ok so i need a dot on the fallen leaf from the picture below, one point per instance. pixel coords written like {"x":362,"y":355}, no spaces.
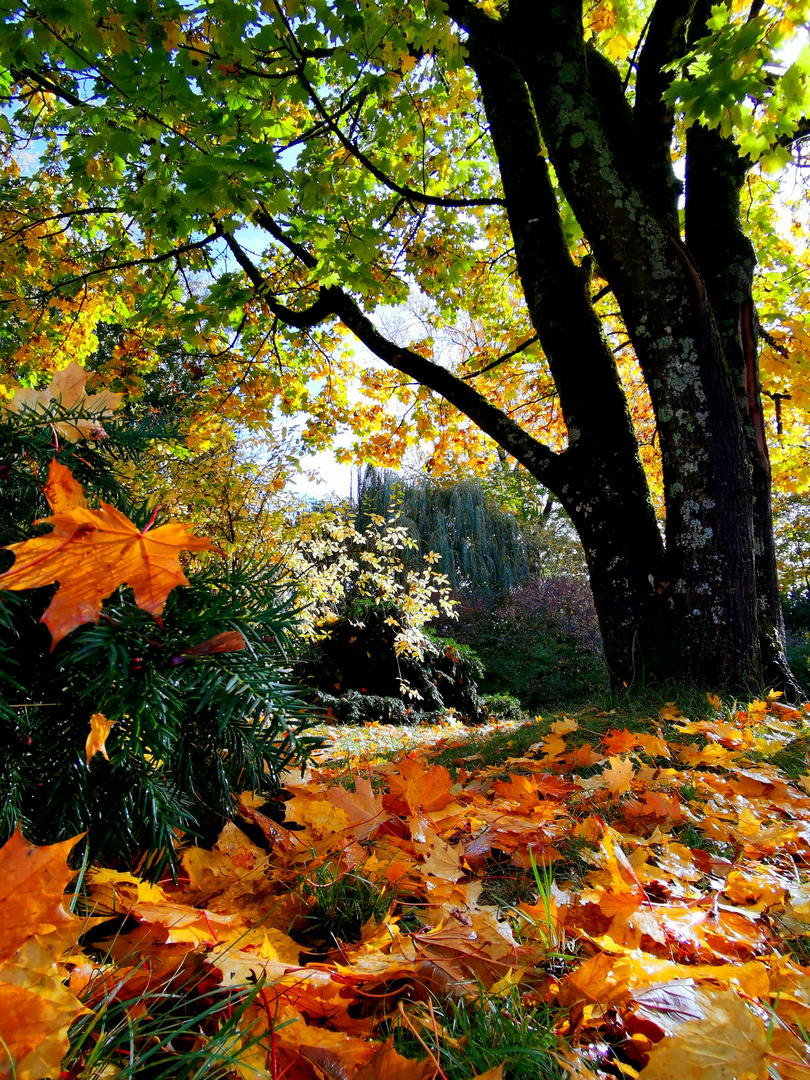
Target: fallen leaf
{"x":727,"y":1043}
{"x":618,"y":777}
{"x":36,"y":1009}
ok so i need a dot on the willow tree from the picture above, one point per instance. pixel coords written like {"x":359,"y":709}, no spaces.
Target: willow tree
{"x":482,"y":548}
{"x":517,"y":163}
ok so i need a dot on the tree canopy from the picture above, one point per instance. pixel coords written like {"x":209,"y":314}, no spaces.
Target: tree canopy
{"x":591,"y":205}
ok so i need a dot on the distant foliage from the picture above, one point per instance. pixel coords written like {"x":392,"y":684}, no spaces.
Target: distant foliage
{"x":539,"y":643}
{"x":482,"y":546}
{"x":796,"y":605}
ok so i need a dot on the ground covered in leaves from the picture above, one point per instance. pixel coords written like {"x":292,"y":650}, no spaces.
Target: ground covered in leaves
{"x":591,"y":895}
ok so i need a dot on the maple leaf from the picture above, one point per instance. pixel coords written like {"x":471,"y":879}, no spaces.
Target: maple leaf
{"x":728,"y":1043}
{"x":67,"y":388}
{"x":62,"y":490}
{"x":36,"y":1009}
{"x":90,"y":553}
{"x":618,"y":742}
{"x":418,"y":788}
{"x":564,"y":726}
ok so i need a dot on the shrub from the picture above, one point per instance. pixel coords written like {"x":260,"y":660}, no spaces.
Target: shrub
{"x":539,"y":643}
{"x":796,"y":606}
{"x":360,"y":676}
{"x":196,"y":718}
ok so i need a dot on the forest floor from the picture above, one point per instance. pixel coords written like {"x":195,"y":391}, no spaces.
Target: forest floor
{"x":606,"y":893}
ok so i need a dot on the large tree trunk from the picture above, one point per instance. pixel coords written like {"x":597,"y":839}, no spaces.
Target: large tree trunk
{"x":707,"y":608}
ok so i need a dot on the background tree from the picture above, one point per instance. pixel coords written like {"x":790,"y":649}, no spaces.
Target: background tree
{"x":317,"y":159}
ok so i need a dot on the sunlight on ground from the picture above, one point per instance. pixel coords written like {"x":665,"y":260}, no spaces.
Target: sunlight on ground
{"x":373,"y":741}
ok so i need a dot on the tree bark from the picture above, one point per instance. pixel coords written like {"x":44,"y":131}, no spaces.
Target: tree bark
{"x":712,"y":595}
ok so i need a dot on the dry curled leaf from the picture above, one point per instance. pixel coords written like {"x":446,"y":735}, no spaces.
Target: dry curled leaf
{"x":67,"y":388}
{"x":100,"y":728}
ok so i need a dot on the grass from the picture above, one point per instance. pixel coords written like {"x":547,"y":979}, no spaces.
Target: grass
{"x":341,"y":903}
{"x":184,"y":1030}
{"x":467,"y":1038}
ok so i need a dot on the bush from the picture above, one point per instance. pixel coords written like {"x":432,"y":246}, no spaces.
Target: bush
{"x":196,"y":718}
{"x":538,"y":643}
{"x":503,"y":707}
{"x":360,"y":675}
{"x":796,"y":606}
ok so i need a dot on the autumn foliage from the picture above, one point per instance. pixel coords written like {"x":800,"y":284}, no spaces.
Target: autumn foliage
{"x":91,"y":553}
{"x":657,"y":920}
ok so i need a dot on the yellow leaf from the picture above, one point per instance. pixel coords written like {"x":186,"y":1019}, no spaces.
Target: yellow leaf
{"x":729,"y":1043}
{"x":119,"y":891}
{"x":564,"y":726}
{"x":618,"y":777}
{"x":67,"y":388}
{"x":100,"y":728}
{"x":618,"y":47}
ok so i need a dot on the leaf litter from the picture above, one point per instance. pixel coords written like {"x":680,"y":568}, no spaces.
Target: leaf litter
{"x":645,"y":897}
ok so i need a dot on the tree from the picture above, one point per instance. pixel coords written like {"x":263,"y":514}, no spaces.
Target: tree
{"x":319,"y":159}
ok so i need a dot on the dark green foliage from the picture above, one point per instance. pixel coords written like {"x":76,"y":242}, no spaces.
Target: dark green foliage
{"x":503,"y":707}
{"x":538,"y":643}
{"x":358,"y":708}
{"x":189,"y":733}
{"x":796,"y":606}
{"x":358,"y":660}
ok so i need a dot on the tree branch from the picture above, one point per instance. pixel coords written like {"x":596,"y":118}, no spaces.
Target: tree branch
{"x":151,"y":260}
{"x":652,"y":119}
{"x":411,"y":194}
{"x":537,"y":457}
{"x":502,"y":359}
{"x":530,"y":452}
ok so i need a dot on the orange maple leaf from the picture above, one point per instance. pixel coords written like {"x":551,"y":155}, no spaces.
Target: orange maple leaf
{"x":91,"y":553}
{"x":418,"y":788}
{"x":618,"y":742}
{"x":35,"y":928}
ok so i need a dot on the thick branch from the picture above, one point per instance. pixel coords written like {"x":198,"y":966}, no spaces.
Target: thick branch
{"x":541,"y":462}
{"x":304,"y":320}
{"x":537,"y":458}
{"x":653,"y":119}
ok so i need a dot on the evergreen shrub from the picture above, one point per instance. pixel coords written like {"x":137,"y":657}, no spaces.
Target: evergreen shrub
{"x":796,"y":607}
{"x":190,"y":729}
{"x":538,"y":643}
